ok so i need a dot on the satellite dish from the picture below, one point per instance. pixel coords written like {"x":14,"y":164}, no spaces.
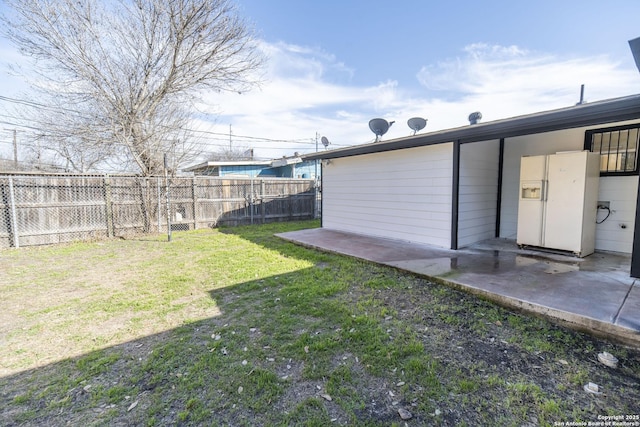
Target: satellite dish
{"x":416,"y":124}
{"x":474,"y":117}
{"x":379,"y":127}
{"x":325,"y":141}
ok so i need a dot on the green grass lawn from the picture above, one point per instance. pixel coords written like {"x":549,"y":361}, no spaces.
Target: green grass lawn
{"x":234,"y":326}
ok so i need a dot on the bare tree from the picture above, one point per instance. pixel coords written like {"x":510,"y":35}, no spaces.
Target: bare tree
{"x":119,"y":78}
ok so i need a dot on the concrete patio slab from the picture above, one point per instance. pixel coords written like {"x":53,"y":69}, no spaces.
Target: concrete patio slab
{"x":593,"y":294}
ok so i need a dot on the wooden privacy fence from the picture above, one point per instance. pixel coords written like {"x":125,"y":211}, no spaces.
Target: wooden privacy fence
{"x":46,"y":209}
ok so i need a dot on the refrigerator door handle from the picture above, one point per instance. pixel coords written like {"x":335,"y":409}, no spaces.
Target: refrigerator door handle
{"x":545,"y":190}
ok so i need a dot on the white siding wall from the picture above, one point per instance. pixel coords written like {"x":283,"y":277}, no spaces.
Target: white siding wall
{"x":402,"y":194}
{"x":478,"y":191}
{"x":619,"y":191}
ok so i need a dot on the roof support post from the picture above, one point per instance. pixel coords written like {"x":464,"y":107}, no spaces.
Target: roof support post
{"x":635,"y":252}
{"x":499,"y":198}
{"x":455,"y":194}
{"x":322,"y":198}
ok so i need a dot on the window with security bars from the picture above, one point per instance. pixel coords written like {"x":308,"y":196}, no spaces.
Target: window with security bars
{"x":618,"y":148}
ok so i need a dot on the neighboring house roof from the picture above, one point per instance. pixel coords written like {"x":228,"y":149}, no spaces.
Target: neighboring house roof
{"x":228,"y":163}
{"x":588,"y":114}
{"x":284,"y":161}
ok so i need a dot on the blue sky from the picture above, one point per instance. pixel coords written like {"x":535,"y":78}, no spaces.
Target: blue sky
{"x":334,"y":65}
{"x":392,"y":40}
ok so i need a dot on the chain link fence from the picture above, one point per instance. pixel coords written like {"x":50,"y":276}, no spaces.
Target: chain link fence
{"x":48,"y":209}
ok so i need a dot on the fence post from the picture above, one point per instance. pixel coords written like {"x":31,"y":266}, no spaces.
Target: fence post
{"x":251,"y":200}
{"x":159,"y":195}
{"x":195,"y":203}
{"x":166,"y":189}
{"x":289,"y":197}
{"x":14,"y":217}
{"x":262,"y":207}
{"x":108,"y":206}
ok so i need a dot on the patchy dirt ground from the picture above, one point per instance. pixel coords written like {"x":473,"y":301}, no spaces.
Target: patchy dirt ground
{"x":534,"y":358}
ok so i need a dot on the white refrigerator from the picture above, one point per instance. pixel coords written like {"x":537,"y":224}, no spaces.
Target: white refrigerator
{"x":558,"y":200}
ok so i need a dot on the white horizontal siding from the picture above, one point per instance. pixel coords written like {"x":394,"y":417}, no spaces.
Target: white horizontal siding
{"x":478,"y":193}
{"x":620,"y":192}
{"x":403,"y":194}
{"x":406,"y":194}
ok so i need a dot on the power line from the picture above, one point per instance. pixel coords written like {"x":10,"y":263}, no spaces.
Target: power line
{"x":35,"y":104}
{"x":180,"y":152}
{"x":210,"y":142}
{"x":299,"y":140}
{"x":221,"y":136}
{"x":57,"y":109}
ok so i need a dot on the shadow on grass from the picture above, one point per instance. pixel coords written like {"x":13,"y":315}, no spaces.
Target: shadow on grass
{"x":280,"y":346}
{"x":252,"y":365}
{"x":190,"y":374}
{"x":337,"y":341}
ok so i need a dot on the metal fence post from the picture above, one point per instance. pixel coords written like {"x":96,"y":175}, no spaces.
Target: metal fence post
{"x":166,"y":189}
{"x":194,"y":193}
{"x":159,"y":196}
{"x":14,"y":217}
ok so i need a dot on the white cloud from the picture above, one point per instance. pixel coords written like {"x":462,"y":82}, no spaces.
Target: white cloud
{"x":508,"y":81}
{"x":286,"y":59}
{"x":307,"y":90}
{"x":301,"y":95}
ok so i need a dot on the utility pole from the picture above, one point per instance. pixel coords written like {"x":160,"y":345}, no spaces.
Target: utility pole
{"x":316,"y":161}
{"x":230,"y":139}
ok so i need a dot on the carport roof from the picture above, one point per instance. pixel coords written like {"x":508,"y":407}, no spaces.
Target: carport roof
{"x":588,"y":114}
